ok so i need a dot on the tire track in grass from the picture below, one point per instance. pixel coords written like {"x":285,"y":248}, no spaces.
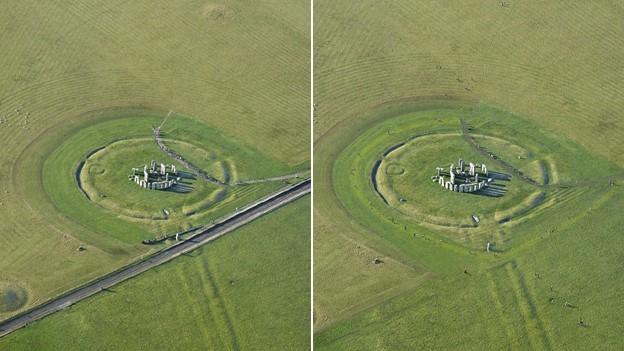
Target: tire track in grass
{"x":555,"y":199}
{"x":219,"y":309}
{"x":500,"y":309}
{"x":206,"y":318}
{"x":537,"y":333}
{"x":510,"y":303}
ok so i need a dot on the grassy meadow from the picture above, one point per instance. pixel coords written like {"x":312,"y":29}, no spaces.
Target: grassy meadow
{"x":82,"y":74}
{"x":537,"y":85}
{"x":249,"y":290}
{"x":124,"y":143}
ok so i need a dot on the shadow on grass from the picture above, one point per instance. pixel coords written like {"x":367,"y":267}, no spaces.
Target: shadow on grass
{"x":492,"y":191}
{"x":495,"y":189}
{"x":499,"y":176}
{"x":184,"y":185}
{"x":186,"y":175}
{"x":181,"y":188}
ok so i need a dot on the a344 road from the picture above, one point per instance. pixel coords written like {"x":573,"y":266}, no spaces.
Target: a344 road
{"x":205,"y":235}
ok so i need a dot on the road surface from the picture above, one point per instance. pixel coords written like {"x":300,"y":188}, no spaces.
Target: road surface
{"x":204,"y":236}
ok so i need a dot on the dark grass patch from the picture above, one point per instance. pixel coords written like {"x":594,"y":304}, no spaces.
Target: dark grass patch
{"x":12,"y":297}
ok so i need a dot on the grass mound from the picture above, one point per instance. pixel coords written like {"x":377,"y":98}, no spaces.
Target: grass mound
{"x":394,"y":170}
{"x":104,"y":177}
{"x":104,"y":154}
{"x":386,"y":171}
{"x":413,"y":193}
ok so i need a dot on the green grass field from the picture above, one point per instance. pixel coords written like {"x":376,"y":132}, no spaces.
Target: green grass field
{"x":249,"y":290}
{"x":534,"y":84}
{"x":124,"y":143}
{"x":79,"y":75}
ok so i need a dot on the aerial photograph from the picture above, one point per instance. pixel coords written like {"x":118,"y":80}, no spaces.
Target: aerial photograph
{"x":468,"y":168}
{"x":155,"y":175}
{"x":299,"y":175}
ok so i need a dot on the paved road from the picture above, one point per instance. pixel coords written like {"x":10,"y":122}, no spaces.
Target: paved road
{"x":210,"y":233}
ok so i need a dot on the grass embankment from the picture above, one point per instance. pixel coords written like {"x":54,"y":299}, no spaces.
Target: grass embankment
{"x":119,"y":208}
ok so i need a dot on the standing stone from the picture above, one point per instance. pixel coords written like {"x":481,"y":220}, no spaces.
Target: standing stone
{"x":471,"y":171}
{"x":461,"y":165}
{"x":441,"y":180}
{"x":477,"y":177}
{"x":452,"y":177}
{"x":163,"y":170}
{"x":173,"y":169}
{"x":484,"y":169}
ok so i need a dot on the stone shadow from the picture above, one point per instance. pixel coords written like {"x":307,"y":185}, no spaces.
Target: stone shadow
{"x":499,"y":176}
{"x":184,"y":185}
{"x":180,"y":188}
{"x":186,"y":175}
{"x":493,"y":190}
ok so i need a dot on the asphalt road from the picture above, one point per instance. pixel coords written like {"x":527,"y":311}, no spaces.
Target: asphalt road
{"x":204,"y":236}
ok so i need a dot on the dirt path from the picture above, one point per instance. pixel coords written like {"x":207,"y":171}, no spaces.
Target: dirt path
{"x":483,"y":151}
{"x":198,"y":171}
{"x":203,"y":174}
{"x":271,"y":179}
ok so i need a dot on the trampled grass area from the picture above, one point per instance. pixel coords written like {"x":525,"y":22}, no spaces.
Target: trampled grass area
{"x":543,"y":68}
{"x":247,"y":290}
{"x":239,"y":71}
